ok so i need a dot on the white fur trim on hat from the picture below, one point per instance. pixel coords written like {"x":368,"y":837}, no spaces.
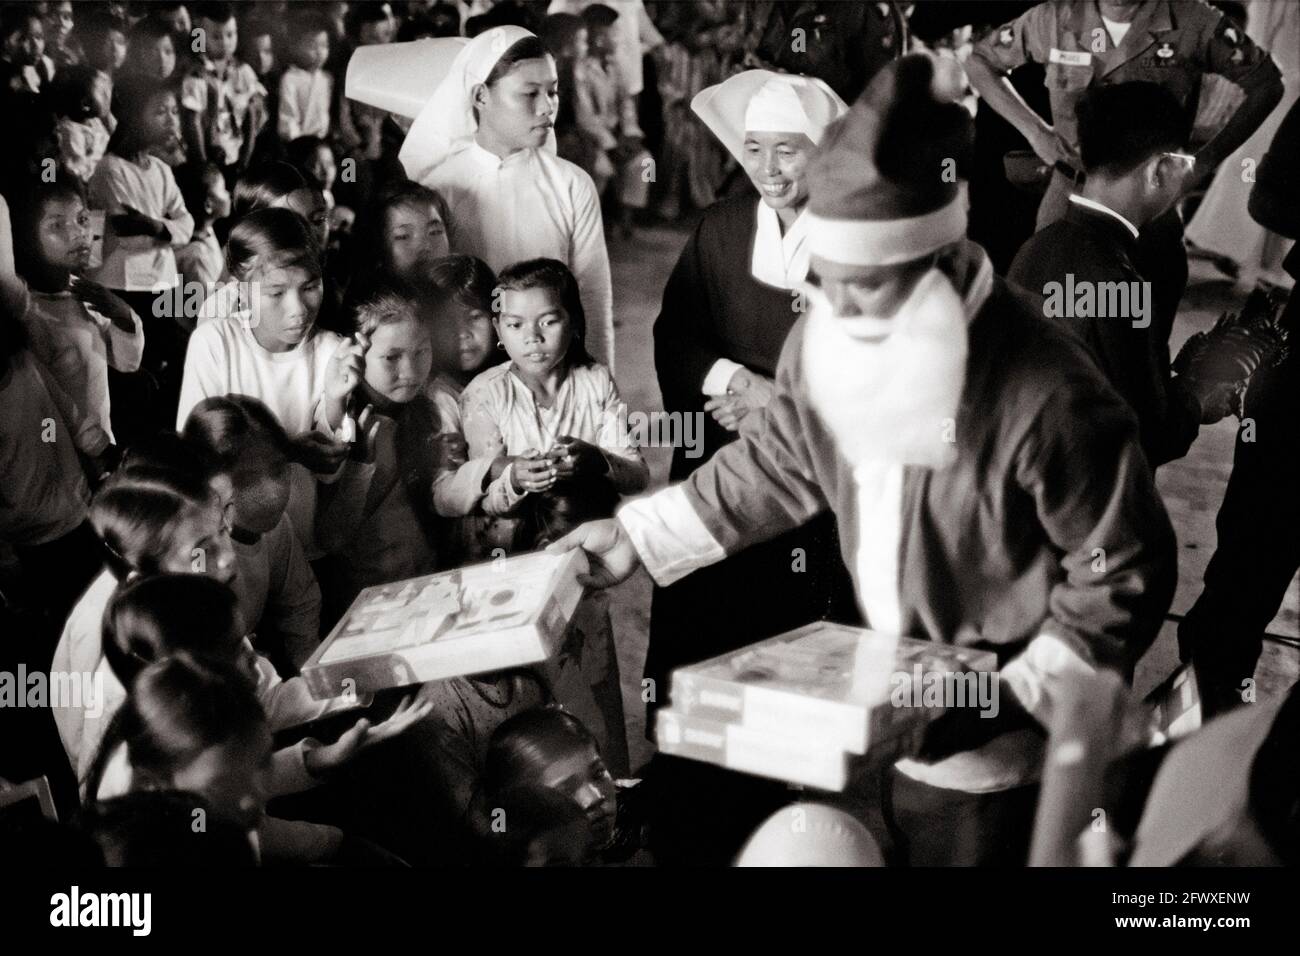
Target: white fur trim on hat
{"x":885,"y":242}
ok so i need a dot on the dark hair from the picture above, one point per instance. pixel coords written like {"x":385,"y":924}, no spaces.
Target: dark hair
{"x":1122,"y":125}
{"x":359,"y":13}
{"x":439,"y":20}
{"x":300,"y":153}
{"x":523,"y":746}
{"x":156,"y":829}
{"x":132,"y":96}
{"x":155,"y":617}
{"x":150,"y":30}
{"x":27,"y":212}
{"x":405,"y":192}
{"x":599,"y":16}
{"x":277,"y":237}
{"x":92,"y":24}
{"x":503,"y":13}
{"x":263,"y":187}
{"x":380,"y":298}
{"x":525,"y":48}
{"x":178,"y":708}
{"x":135,"y":511}
{"x":558,"y":31}
{"x":15,"y":17}
{"x":223,"y":428}
{"x":192,"y":179}
{"x":554,"y":275}
{"x":71,"y":92}
{"x":532,"y":814}
{"x":305,"y":24}
{"x":465,"y":280}
{"x":217,"y":11}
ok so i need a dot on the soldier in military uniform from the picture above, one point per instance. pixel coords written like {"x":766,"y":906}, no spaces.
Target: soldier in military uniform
{"x":1086,"y":43}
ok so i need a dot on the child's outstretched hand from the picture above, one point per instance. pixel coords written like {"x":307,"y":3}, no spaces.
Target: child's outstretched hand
{"x":449,"y":451}
{"x":531,"y":472}
{"x":319,"y":454}
{"x":575,"y":458}
{"x":364,"y":734}
{"x":347,"y":367}
{"x":101,"y":300}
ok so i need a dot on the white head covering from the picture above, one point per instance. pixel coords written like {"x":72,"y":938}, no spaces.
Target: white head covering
{"x":446,"y":121}
{"x":763,"y":101}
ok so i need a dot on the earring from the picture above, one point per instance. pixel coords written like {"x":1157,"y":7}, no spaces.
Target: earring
{"x":501,"y":347}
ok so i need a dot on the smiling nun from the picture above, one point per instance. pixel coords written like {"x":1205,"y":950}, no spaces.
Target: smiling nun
{"x":727,"y":308}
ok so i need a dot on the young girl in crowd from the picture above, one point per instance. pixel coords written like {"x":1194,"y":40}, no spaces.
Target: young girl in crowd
{"x":201,"y":261}
{"x":466,"y":344}
{"x":81,"y":99}
{"x":154,"y":515}
{"x":163,"y":512}
{"x":556,"y":417}
{"x":314,"y":158}
{"x":412,"y":226}
{"x":391,"y":532}
{"x":77,"y":328}
{"x":146,"y":222}
{"x":195,"y":725}
{"x":238,"y":437}
{"x":274,"y":185}
{"x":272,"y":350}
{"x":167,"y":615}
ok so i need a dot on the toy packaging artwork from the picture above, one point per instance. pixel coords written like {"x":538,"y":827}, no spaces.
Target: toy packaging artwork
{"x":800,"y":705}
{"x":504,"y":613}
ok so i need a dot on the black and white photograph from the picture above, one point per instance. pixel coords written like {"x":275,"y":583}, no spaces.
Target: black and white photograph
{"x":443,"y":440}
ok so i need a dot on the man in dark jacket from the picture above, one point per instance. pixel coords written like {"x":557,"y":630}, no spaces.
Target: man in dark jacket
{"x":1259,"y":522}
{"x":1131,"y":138}
{"x":987,"y":480}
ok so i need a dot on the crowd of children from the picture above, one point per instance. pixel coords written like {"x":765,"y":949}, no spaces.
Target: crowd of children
{"x":238,"y":388}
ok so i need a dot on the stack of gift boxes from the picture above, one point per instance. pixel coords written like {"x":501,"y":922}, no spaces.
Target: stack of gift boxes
{"x":804,"y":705}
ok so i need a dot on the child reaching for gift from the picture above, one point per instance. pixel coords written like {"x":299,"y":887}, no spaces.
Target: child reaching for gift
{"x":553,"y":418}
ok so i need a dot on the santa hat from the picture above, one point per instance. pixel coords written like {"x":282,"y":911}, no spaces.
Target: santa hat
{"x":885,"y":184}
{"x":760,"y":101}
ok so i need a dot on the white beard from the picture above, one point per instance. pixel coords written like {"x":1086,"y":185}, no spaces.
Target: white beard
{"x":892,"y":401}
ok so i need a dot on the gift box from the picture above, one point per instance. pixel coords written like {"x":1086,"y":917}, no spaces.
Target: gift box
{"x":505,"y":613}
{"x":737,"y":747}
{"x":832,"y":686}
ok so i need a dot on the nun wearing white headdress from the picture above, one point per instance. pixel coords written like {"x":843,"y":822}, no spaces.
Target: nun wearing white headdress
{"x":727,"y":308}
{"x":484,"y":141}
